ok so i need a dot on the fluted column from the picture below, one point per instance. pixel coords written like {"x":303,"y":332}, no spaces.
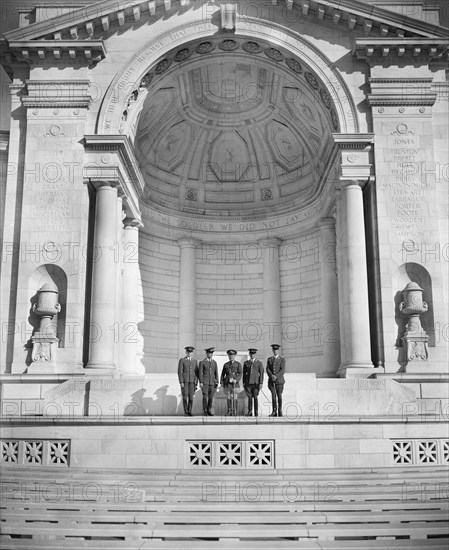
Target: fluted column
{"x":102,"y":318}
{"x":330,"y":332}
{"x":187,"y":293}
{"x":130,"y":278}
{"x":272,"y":329}
{"x":355,"y":330}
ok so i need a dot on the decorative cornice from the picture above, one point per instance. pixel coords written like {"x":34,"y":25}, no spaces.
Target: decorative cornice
{"x":84,"y":51}
{"x":376,"y":50}
{"x":111,"y":158}
{"x":401,"y":92}
{"x":106,"y":13}
{"x":354,"y":141}
{"x":57,"y":93}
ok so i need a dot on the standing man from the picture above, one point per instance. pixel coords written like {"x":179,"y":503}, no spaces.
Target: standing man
{"x":252,"y":381}
{"x":275,"y":372}
{"x":230,"y":378}
{"x":208,"y":376}
{"x":188,"y":379}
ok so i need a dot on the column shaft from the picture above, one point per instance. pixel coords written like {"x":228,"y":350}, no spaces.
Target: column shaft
{"x":101,"y":349}
{"x":130,"y":279}
{"x":330,"y":334}
{"x":355,"y":306}
{"x":272,"y":329}
{"x":187,"y":293}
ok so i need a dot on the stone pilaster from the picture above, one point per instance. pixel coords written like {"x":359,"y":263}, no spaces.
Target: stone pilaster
{"x":51,"y":214}
{"x":329,"y":298}
{"x":187,"y":293}
{"x":407,"y":191}
{"x":272,"y":328}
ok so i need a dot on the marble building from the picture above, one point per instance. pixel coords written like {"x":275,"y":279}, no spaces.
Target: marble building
{"x":227,"y":174}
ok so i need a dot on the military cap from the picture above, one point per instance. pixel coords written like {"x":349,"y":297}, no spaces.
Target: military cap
{"x":209,"y":350}
{"x":252,"y":350}
{"x":275,"y":346}
{"x":189,"y":348}
{"x":231,"y":352}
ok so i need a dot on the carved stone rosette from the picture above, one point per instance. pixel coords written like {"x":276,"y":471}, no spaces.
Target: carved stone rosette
{"x":415,"y":338}
{"x":45,"y":340}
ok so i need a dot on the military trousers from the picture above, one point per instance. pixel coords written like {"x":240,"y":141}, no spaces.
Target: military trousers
{"x":208,"y":398}
{"x":276,"y":396}
{"x":252,"y":391}
{"x":188,"y":391}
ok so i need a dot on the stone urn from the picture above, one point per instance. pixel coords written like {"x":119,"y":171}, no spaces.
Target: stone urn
{"x":45,"y":340}
{"x":415,"y":339}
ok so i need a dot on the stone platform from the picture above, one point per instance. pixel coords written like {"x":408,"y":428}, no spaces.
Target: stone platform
{"x":159,"y":395}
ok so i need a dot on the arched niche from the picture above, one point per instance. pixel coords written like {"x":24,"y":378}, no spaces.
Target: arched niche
{"x":416,"y":273}
{"x":45,"y":274}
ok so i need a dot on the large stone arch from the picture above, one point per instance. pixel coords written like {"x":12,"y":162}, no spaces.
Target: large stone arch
{"x":132,"y":72}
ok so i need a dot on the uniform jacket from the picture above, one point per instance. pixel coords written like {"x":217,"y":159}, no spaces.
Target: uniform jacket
{"x":252,"y":372}
{"x":231,"y":369}
{"x":276,"y":367}
{"x":208,"y":372}
{"x":188,"y":370}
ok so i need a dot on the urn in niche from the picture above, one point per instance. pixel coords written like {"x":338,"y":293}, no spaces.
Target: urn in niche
{"x":45,"y":340}
{"x":415,"y":338}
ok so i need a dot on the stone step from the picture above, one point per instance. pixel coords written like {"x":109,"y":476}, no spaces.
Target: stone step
{"x":223,"y":507}
{"x":378,"y":544}
{"x":414,"y":530}
{"x":220,"y":518}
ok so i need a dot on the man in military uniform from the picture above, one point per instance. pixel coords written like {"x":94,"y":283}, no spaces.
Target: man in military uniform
{"x":188,"y":379}
{"x":208,"y":376}
{"x":275,"y":373}
{"x":230,"y":378}
{"x":252,"y":381}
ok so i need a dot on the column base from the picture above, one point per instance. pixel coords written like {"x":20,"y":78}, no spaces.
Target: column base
{"x":358,"y":370}
{"x":101,"y":369}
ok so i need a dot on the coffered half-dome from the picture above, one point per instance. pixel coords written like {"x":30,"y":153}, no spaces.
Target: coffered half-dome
{"x":230,"y":125}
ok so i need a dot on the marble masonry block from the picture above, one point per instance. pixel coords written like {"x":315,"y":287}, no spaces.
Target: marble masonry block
{"x":357,"y":431}
{"x":320,"y":461}
{"x":374,"y":446}
{"x":333,"y":446}
{"x":362,"y":460}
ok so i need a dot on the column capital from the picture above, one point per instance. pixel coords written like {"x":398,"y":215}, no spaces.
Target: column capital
{"x":101,"y":183}
{"x":131,"y":223}
{"x":326,"y":223}
{"x":186,"y":242}
{"x":356,"y":155}
{"x":270,"y":241}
